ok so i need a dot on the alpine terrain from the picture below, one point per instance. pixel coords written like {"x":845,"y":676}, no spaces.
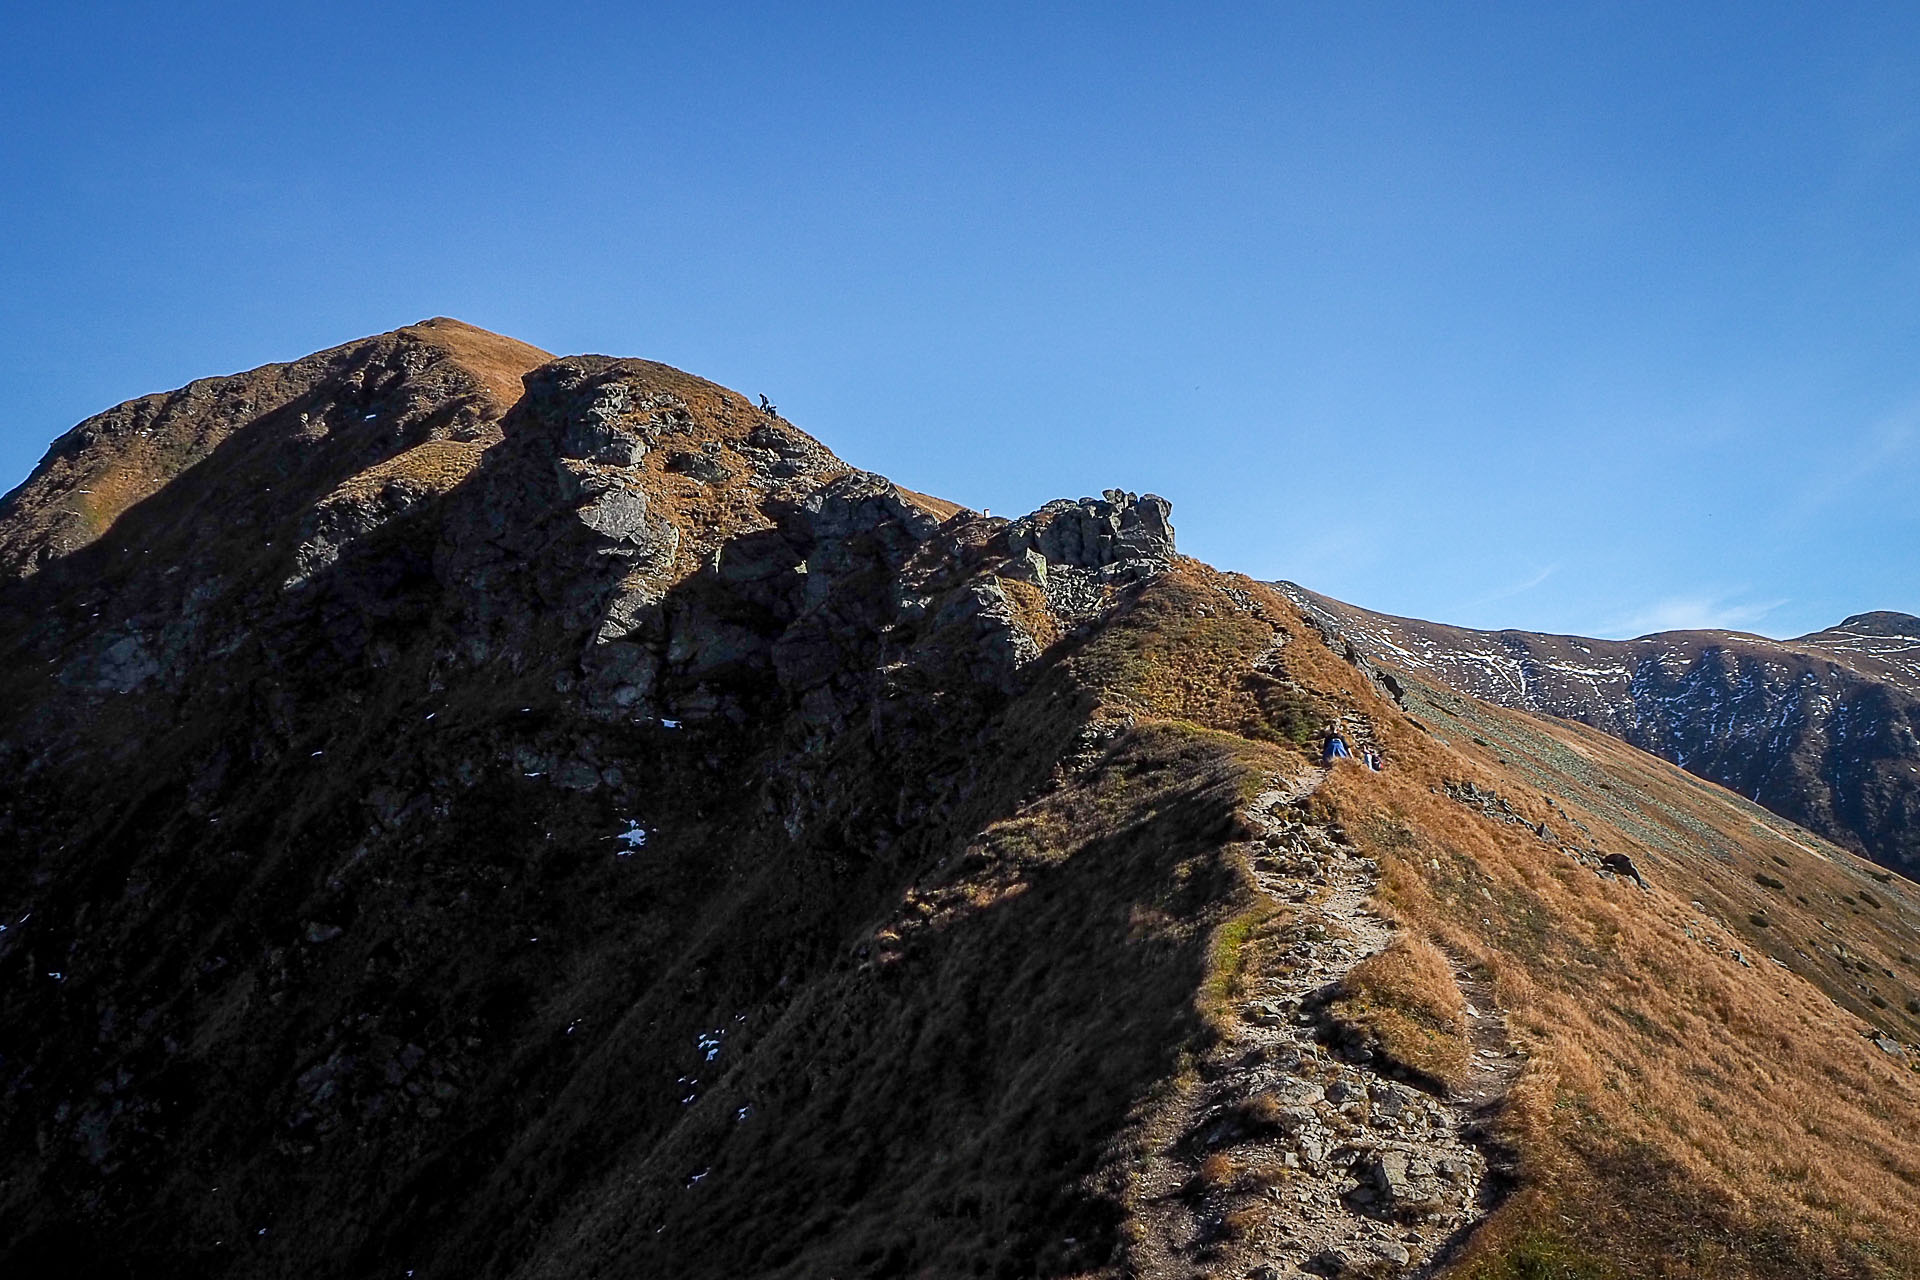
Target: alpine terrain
{"x":477,"y":814}
{"x":1821,"y":730}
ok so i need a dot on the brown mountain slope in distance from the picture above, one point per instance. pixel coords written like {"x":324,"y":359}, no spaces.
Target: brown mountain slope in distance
{"x":1823,"y":730}
{"x":661,"y":849}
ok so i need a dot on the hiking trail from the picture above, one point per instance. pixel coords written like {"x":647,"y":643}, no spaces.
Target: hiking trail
{"x":1281,"y":1154}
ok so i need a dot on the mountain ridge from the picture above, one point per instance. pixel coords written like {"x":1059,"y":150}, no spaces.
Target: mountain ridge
{"x":1820,"y":729}
{"x":1879,"y":622}
{"x":630,"y":839}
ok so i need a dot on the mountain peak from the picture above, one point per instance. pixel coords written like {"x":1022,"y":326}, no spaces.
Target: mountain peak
{"x":321,"y":417}
{"x":1882,"y":622}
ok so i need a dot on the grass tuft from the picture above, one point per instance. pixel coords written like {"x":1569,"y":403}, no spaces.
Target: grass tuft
{"x":1405,"y":1000}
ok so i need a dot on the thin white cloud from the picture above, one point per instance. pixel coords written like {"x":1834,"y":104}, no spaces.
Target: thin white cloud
{"x":1877,"y":456}
{"x":1515,"y":589}
{"x":1691,"y":613}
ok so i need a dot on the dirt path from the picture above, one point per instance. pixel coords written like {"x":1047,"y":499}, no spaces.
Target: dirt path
{"x":1280,"y":1156}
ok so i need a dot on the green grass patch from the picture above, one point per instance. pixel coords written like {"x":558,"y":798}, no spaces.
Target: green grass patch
{"x":1228,"y":961}
{"x":1539,"y":1254}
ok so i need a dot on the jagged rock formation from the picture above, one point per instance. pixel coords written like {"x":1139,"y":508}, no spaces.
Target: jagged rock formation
{"x":1121,"y":531}
{"x":1823,"y":730}
{"x":477,"y":814}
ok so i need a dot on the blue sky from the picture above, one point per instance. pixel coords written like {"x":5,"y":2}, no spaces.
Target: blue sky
{"x":1566,"y":317}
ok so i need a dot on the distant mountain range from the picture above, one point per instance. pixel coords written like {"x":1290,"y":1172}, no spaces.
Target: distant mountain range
{"x":1821,"y":729}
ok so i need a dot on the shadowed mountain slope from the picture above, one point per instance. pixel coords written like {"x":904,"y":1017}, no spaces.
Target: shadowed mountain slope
{"x":426,"y":399}
{"x":1821,"y":730}
{"x":650,"y":846}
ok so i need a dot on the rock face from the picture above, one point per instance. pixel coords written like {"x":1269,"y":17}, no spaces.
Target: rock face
{"x":1823,"y":730}
{"x":1120,"y":531}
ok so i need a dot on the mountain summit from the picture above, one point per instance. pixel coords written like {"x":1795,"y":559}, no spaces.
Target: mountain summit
{"x":439,"y":383}
{"x":1884,"y":623}
{"x":479,"y":814}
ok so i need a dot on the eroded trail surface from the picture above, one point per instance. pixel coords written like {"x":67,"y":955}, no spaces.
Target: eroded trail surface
{"x":1284,"y":1156}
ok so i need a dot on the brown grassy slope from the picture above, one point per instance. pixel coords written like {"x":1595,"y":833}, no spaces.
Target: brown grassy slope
{"x":959,"y":1100}
{"x":950,"y":1097}
{"x":95,"y":473}
{"x":1764,"y":886}
{"x":495,"y":360}
{"x":1407,"y":1001}
{"x":1683,"y":1113}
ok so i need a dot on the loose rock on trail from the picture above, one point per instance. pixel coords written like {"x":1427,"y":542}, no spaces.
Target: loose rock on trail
{"x":1284,"y":1155}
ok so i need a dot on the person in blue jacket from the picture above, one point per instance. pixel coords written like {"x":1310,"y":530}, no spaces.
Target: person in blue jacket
{"x":1336,"y":748}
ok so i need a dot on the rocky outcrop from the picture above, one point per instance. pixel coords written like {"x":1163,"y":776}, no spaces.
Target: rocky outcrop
{"x":1823,"y":730}
{"x":1078,"y":552}
{"x":1120,"y":534}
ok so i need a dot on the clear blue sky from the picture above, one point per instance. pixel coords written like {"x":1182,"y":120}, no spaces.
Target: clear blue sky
{"x":1559,"y":316}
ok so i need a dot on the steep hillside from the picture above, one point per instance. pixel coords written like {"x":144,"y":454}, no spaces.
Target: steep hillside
{"x":1821,"y":730}
{"x":426,"y":399}
{"x":657,"y":848}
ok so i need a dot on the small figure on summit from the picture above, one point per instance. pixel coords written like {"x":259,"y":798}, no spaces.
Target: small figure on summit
{"x":767,"y":407}
{"x":1336,"y":748}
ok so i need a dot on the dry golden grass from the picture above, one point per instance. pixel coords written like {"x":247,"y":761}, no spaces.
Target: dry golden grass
{"x":1406,"y":1000}
{"x":1779,"y":1139}
{"x":1266,"y":1177}
{"x":433,"y":467}
{"x":1261,"y":1111}
{"x":1030,"y":611}
{"x":939,"y":508}
{"x":1681,"y":1113}
{"x":499,"y":362}
{"x":1237,"y":1223}
{"x":1235,"y":957}
{"x":144,"y":445}
{"x":1184,"y":651}
{"x":1217,"y":1172}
